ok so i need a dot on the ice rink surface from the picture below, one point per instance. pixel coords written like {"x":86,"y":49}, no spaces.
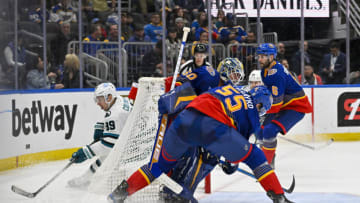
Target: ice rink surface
{"x":331,"y":174}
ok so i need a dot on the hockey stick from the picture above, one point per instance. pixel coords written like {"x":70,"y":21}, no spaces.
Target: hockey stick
{"x":164,"y":179}
{"x":289,"y":190}
{"x":32,"y":195}
{"x":22,"y":192}
{"x":308,"y":146}
{"x":186,"y":32}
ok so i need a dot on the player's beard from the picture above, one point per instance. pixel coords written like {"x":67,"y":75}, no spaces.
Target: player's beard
{"x":265,"y":64}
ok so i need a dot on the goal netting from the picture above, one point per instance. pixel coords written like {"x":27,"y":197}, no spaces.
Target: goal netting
{"x":134,"y":146}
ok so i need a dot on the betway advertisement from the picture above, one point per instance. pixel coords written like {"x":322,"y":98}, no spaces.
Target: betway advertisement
{"x":33,"y":123}
{"x":273,"y":8}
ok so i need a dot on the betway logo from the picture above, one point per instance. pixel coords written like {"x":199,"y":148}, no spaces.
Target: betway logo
{"x":26,"y":119}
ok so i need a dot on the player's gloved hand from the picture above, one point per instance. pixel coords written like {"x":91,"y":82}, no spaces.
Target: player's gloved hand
{"x":228,"y":167}
{"x":98,"y":132}
{"x":82,"y":154}
{"x":208,"y":158}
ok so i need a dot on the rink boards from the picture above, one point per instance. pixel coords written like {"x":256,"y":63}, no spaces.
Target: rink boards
{"x":43,"y":125}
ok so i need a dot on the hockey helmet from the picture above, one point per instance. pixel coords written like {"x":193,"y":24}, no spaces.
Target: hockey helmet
{"x":255,"y":76}
{"x":104,"y":90}
{"x":231,"y":70}
{"x":261,"y":95}
{"x":267,"y":49}
{"x":200,"y":48}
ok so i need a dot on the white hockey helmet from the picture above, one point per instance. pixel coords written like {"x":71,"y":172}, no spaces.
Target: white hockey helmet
{"x":255,"y":76}
{"x":104,"y":90}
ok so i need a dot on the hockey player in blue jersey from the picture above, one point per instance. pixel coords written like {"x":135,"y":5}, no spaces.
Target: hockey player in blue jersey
{"x":220,"y":121}
{"x":290,"y":102}
{"x":197,"y":162}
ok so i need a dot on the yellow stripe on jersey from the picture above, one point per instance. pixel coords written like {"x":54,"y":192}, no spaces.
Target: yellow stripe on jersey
{"x":197,"y":171}
{"x":186,"y":98}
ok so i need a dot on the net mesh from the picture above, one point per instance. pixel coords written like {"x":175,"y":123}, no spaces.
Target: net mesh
{"x":134,"y":146}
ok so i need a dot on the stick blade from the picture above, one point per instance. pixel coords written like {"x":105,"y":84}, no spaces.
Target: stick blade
{"x":291,"y":188}
{"x":22,"y":192}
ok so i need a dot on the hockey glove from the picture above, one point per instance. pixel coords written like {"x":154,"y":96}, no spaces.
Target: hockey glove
{"x":98,"y":132}
{"x":228,"y":167}
{"x":82,"y":154}
{"x":208,"y":158}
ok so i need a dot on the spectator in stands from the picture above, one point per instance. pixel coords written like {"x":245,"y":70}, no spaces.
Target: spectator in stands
{"x":280,"y":51}
{"x":36,"y":79}
{"x":63,"y":13}
{"x":232,"y":33}
{"x":178,"y":12}
{"x":204,"y":27}
{"x":145,"y":6}
{"x":333,"y":65}
{"x":59,"y":44}
{"x":193,"y":7}
{"x":152,"y":62}
{"x":172,"y":45}
{"x":355,"y":77}
{"x":136,"y":52}
{"x":71,"y":71}
{"x":154,"y":29}
{"x":310,"y":77}
{"x":97,"y":21}
{"x":95,"y":34}
{"x":199,"y":20}
{"x":36,"y":15}
{"x":9,"y":54}
{"x":102,"y":9}
{"x":204,"y":39}
{"x":296,"y":59}
{"x":248,"y":52}
{"x":179,"y":24}
{"x":285,"y":63}
{"x":220,"y":19}
{"x":126,"y":30}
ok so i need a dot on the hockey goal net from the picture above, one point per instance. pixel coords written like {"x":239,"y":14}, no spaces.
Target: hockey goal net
{"x":134,"y":146}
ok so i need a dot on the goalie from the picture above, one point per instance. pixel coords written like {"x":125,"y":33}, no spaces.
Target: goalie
{"x":117,"y":110}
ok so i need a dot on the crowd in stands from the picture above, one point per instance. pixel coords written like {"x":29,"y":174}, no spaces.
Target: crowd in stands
{"x":100,"y":25}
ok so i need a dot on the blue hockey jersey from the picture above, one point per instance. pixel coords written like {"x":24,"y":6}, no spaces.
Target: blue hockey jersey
{"x":231,"y":106}
{"x":286,"y":91}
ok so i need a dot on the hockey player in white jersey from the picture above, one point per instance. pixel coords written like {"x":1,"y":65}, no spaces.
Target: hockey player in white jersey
{"x":117,"y":110}
{"x":254,"y":80}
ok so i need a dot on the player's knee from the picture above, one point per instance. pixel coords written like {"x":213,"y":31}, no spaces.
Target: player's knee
{"x":256,"y":158}
{"x":270,"y":131}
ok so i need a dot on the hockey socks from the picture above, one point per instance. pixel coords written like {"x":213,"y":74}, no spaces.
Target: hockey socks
{"x":263,"y":171}
{"x":269,"y":153}
{"x":140,"y":179}
{"x":269,"y":141}
{"x":268,"y":179}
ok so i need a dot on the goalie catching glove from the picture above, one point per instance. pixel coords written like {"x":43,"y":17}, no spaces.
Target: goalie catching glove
{"x":82,"y":154}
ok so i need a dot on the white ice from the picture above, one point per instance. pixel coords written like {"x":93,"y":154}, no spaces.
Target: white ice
{"x":331,"y":174}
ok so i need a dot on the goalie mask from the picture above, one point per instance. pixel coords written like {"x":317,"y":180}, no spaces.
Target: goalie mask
{"x":261,"y":95}
{"x":231,"y":71}
{"x":104,"y":90}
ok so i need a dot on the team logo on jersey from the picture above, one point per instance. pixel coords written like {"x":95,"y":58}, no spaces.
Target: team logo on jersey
{"x":210,"y":70}
{"x":272,"y":72}
{"x":108,"y":114}
{"x":349,"y":109}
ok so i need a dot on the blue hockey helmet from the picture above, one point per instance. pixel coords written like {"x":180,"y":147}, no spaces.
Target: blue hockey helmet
{"x":261,"y":95}
{"x":231,"y":70}
{"x":267,"y":49}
